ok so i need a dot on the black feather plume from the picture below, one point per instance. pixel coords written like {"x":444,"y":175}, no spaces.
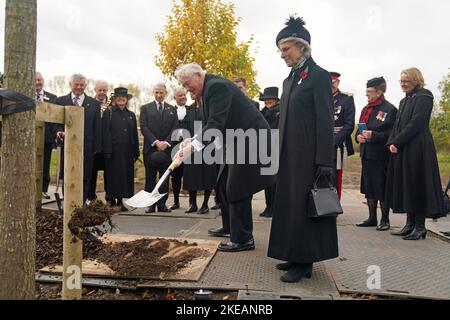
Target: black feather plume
{"x":296,"y":22}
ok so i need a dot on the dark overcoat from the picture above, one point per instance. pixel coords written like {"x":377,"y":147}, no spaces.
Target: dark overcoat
{"x":121,"y":150}
{"x":157,"y":126}
{"x":306,"y":141}
{"x":197,"y":176}
{"x":413,"y":180}
{"x":50,"y":133}
{"x":92,"y":131}
{"x":226,"y":107}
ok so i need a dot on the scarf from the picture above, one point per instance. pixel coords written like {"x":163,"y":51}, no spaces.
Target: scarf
{"x":367,"y":111}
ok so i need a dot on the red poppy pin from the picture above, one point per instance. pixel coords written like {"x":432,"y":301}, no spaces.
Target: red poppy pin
{"x":303,"y":75}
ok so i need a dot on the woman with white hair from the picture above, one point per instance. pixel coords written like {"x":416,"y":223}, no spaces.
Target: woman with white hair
{"x":413,"y":180}
{"x":306,"y":155}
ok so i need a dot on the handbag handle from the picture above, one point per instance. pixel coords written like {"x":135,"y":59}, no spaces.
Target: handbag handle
{"x":330,"y":183}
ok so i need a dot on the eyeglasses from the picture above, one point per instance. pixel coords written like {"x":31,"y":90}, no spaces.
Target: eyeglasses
{"x":284,"y":50}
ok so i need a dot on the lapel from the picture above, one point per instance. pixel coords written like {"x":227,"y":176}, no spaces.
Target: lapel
{"x":203,"y":101}
{"x":287,"y":89}
{"x":87,"y":102}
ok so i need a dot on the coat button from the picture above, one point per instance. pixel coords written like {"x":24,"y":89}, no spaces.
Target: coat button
{"x":124,"y":130}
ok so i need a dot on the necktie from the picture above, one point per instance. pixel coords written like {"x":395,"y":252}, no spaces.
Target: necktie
{"x":160,"y":108}
{"x":76,"y":101}
{"x":38,"y":97}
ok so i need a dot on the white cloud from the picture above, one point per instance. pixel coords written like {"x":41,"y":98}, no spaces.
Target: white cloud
{"x":115,"y":40}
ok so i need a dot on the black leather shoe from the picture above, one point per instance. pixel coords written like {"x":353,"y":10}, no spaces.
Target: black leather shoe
{"x":192,"y":209}
{"x":45,"y":196}
{"x":416,"y":235}
{"x":237,"y":247}
{"x":367,"y":223}
{"x":203,"y":210}
{"x":164,"y":209}
{"x":218,"y":232}
{"x":297,"y":272}
{"x":150,"y":210}
{"x":384,"y":226}
{"x":404,"y":232}
{"x":123,"y":208}
{"x":284,"y":266}
{"x":175,"y":206}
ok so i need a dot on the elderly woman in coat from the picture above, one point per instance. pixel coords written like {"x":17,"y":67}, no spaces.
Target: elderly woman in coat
{"x":306,"y":152}
{"x":413,"y":180}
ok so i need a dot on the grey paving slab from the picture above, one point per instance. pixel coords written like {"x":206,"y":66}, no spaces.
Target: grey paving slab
{"x":408,"y":268}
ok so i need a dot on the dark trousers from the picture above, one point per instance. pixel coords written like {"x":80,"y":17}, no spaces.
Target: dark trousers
{"x":270,"y":196}
{"x":48,"y":149}
{"x":177,"y":175}
{"x":150,"y":181}
{"x":99,"y":165}
{"x":86,"y":182}
{"x":236,"y":216}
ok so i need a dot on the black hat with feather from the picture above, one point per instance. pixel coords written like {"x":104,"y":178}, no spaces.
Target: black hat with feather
{"x":295,"y":27}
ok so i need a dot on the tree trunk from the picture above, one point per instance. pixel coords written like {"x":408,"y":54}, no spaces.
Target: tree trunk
{"x":17,"y":180}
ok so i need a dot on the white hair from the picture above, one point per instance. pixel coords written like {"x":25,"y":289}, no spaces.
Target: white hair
{"x":180,"y":89}
{"x":76,"y":77}
{"x":160,"y":85}
{"x":188,"y":70}
{"x":301,"y":44}
{"x":101,"y":82}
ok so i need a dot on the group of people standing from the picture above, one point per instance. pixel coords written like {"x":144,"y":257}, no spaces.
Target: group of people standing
{"x":315,"y":120}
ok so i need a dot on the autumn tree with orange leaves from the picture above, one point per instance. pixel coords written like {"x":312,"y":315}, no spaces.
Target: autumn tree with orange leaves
{"x":204,"y":31}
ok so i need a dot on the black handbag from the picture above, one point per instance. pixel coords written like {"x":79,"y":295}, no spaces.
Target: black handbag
{"x":324,"y":202}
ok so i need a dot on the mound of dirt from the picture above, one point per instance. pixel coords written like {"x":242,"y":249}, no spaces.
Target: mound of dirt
{"x":148,"y":257}
{"x":93,"y":219}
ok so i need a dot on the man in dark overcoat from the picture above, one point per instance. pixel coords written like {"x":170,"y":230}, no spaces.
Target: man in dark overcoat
{"x":225,"y":107}
{"x":158,"y":120}
{"x":92,"y":126}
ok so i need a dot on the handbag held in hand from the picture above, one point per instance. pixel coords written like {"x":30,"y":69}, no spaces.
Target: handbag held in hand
{"x":324,"y":202}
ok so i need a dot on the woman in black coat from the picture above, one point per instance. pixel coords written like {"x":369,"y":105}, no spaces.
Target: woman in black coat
{"x":121,"y":148}
{"x":414,"y":184}
{"x":197,"y":176}
{"x":379,"y":118}
{"x":306,"y":152}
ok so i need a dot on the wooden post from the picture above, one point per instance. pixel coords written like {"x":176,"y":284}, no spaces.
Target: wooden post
{"x":73,"y":196}
{"x":40,"y":141}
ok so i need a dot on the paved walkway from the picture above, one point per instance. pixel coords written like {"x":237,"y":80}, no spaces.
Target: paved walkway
{"x":370,"y":262}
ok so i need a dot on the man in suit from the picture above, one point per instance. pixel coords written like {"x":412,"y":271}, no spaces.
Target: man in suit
{"x":344,"y":124}
{"x":241,"y":83}
{"x":92,"y":125}
{"x":158,"y":120}
{"x":49,"y":140}
{"x":101,"y":95}
{"x":177,"y":174}
{"x":225,"y":107}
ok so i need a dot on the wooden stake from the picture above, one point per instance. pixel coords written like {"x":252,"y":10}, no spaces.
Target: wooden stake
{"x":73,"y":196}
{"x":40,"y":141}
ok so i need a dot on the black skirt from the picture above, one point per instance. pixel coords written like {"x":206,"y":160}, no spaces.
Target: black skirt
{"x":373,"y":179}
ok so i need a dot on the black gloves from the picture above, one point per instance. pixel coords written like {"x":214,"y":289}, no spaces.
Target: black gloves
{"x":323,"y":171}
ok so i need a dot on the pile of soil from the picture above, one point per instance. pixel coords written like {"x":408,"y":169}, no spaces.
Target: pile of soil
{"x":93,"y":219}
{"x":49,"y":240}
{"x":148,"y":258}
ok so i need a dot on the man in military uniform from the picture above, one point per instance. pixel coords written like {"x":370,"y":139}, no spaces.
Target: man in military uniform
{"x":344,"y":124}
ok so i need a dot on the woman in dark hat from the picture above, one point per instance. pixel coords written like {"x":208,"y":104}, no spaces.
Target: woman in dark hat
{"x":306,"y":154}
{"x":121,"y":147}
{"x":271,"y":113}
{"x":413,"y":181}
{"x":378,"y":118}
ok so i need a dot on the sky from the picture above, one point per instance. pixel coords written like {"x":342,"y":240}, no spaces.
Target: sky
{"x":362,"y":39}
